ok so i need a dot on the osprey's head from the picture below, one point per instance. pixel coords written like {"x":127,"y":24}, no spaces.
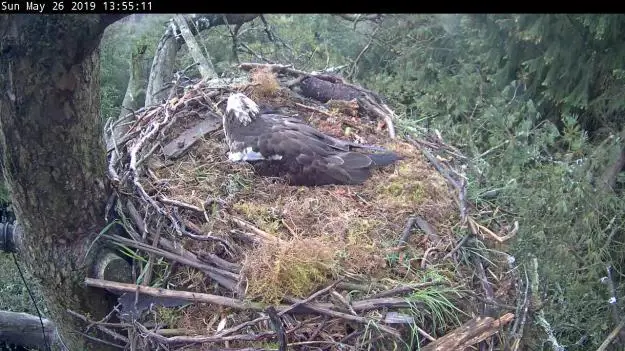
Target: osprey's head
{"x":242,"y":109}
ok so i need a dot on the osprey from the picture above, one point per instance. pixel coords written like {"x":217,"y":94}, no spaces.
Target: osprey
{"x":281,"y":146}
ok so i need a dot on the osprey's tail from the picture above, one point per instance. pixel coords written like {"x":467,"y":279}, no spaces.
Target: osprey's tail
{"x":355,"y":167}
{"x":384,"y":159}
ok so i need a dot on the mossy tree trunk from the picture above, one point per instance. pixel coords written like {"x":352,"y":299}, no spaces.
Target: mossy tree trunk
{"x":207,"y":70}
{"x":163,"y":65}
{"x":135,"y":93}
{"x":54,"y":158}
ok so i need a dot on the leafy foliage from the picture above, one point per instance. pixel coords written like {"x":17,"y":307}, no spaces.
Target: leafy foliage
{"x":526,"y":96}
{"x":116,"y":47}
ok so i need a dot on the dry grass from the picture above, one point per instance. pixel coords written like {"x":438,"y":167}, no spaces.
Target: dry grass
{"x":265,"y":84}
{"x":328,"y":230}
{"x":321,"y":233}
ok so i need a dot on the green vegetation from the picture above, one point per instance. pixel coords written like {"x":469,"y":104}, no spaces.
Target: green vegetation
{"x":536,"y":102}
{"x":14,"y":294}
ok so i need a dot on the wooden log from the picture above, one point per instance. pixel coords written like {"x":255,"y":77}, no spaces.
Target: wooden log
{"x":470,"y":333}
{"x":24,"y":329}
{"x":189,"y":137}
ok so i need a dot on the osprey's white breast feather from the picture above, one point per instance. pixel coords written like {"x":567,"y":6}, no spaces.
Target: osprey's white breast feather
{"x":248,"y":154}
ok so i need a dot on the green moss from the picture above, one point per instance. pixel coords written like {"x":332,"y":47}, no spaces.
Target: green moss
{"x":295,"y":269}
{"x":168,"y":316}
{"x":403,"y":187}
{"x":263,"y":217}
{"x":359,"y":230}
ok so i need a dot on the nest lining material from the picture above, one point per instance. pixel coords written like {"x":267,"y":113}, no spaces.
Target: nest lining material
{"x":264,"y":240}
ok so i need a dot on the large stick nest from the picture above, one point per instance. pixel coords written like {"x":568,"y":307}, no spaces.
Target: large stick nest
{"x":195,"y":222}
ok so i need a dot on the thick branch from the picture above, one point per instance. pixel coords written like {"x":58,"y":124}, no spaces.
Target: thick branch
{"x":207,"y":70}
{"x":25,"y":330}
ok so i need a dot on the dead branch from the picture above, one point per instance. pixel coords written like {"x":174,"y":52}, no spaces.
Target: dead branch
{"x":352,"y":70}
{"x":403,"y":289}
{"x":314,"y":110}
{"x":311,"y":297}
{"x":610,"y":338}
{"x":225,"y":278}
{"x":167,"y":201}
{"x":482,"y":229}
{"x":459,"y":246}
{"x":179,"y":146}
{"x":405,"y":234}
{"x":328,"y":312}
{"x":244,"y":48}
{"x":205,"y":64}
{"x":100,"y":327}
{"x":470,"y":333}
{"x":203,"y":339}
{"x":381,"y":111}
{"x":183,"y":295}
{"x":258,"y":232}
{"x":427,"y":229}
{"x":278,"y":328}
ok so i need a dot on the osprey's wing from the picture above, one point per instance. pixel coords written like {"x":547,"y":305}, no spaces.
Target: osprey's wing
{"x":306,"y":154}
{"x":310,"y":131}
{"x":330,"y":140}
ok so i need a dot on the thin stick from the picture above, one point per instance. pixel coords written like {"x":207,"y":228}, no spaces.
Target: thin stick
{"x":175,"y":257}
{"x":403,"y":289}
{"x":167,"y":201}
{"x":204,"y":338}
{"x":310,"y":298}
{"x":604,"y":345}
{"x":262,"y":234}
{"x":100,"y":327}
{"x":315,"y":110}
{"x":331,"y":313}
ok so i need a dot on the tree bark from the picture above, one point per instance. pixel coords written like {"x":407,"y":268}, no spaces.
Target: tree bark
{"x":207,"y":70}
{"x":163,"y":65}
{"x":54,"y":157}
{"x":135,"y":94}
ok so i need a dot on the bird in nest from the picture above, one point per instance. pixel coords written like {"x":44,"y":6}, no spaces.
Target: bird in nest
{"x":286,"y":147}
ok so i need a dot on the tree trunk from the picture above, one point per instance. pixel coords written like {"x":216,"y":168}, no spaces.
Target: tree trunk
{"x":206,"y":66}
{"x":54,"y":158}
{"x":163,"y":65}
{"x":135,"y":93}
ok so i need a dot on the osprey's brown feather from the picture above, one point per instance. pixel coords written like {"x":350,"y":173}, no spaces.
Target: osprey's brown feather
{"x":281,"y":146}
